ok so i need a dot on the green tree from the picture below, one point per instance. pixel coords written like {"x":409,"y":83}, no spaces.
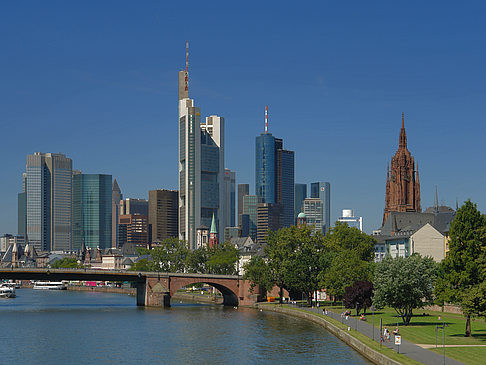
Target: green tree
{"x":170,"y":256}
{"x":142,"y":265}
{"x":222,"y":259}
{"x":350,"y":239}
{"x":66,"y":263}
{"x":258,"y":272}
{"x":461,"y":274}
{"x":404,"y":284}
{"x":197,"y":260}
{"x":359,"y":295}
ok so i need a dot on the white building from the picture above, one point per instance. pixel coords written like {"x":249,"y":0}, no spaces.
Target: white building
{"x":352,"y":221}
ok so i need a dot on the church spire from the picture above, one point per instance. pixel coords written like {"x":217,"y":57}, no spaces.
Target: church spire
{"x":403,"y":135}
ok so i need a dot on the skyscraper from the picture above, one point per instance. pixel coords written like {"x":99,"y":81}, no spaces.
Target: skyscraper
{"x":250,"y":203}
{"x":201,"y":165}
{"x":229,"y":199}
{"x":48,"y":182}
{"x":116,"y":197}
{"x":92,"y":215}
{"x":274,"y":174}
{"x":243,"y":189}
{"x":299,"y":196}
{"x":402,"y":181}
{"x":322,"y":190}
{"x":134,"y":206}
{"x":312,"y":208}
{"x":163,"y":217}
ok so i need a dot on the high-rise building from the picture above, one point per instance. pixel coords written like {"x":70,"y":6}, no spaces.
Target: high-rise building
{"x":352,"y":221}
{"x":312,"y":208}
{"x":163,"y":214}
{"x":274,"y":174}
{"x":201,"y":166}
{"x":133,"y":230}
{"x":134,"y":206}
{"x":116,"y":197}
{"x":48,"y":188}
{"x":22,"y":214}
{"x":269,"y":217}
{"x":299,"y":196}
{"x":402,"y":181}
{"x":250,"y":203}
{"x":229,"y":199}
{"x":92,"y":215}
{"x":243,"y":189}
{"x":322,"y":190}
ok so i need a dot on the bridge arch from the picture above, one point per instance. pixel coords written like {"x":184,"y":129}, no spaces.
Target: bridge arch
{"x":229,"y":290}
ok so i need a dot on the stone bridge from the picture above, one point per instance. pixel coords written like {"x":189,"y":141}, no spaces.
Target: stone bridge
{"x":153,"y":288}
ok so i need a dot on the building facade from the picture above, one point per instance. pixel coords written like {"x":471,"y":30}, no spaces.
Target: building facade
{"x":299,"y":196}
{"x":269,"y":217}
{"x":402,"y":180}
{"x":133,"y":230}
{"x":352,"y":221}
{"x":229,"y":199}
{"x":134,"y":206}
{"x":250,"y":203}
{"x":92,"y":211}
{"x":116,"y":197}
{"x":48,"y":188}
{"x":201,"y":166}
{"x":322,"y":190}
{"x":243,"y":189}
{"x":163,"y":214}
{"x":312,"y":209}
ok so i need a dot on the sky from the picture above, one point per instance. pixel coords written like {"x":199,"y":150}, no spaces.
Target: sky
{"x":97,"y":81}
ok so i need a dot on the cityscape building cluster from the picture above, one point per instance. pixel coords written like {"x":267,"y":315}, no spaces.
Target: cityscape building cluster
{"x":64,"y":210}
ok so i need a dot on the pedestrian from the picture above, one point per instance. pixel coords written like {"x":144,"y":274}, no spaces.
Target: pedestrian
{"x":386,"y":334}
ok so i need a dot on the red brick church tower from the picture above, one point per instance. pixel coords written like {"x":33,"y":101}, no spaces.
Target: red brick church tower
{"x":402,"y":184}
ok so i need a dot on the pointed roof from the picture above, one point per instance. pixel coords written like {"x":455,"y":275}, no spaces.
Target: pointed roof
{"x":403,"y":135}
{"x":213,"y":226}
{"x":115,"y":186}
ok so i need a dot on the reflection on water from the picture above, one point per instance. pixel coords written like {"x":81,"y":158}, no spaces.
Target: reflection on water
{"x":59,"y":327}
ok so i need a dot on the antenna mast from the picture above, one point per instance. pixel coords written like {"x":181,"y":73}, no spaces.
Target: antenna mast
{"x":266,"y":120}
{"x":187,"y":67}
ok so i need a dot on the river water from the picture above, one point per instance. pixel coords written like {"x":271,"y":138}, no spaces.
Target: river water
{"x":67,"y":327}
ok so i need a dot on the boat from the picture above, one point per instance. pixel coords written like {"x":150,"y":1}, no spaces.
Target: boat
{"x":7,"y":292}
{"x":50,"y":285}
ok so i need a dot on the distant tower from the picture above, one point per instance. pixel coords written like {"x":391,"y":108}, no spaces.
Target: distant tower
{"x":213,"y":235}
{"x":402,"y":182}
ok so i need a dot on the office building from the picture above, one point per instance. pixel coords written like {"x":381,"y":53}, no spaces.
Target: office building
{"x":163,"y":214}
{"x":92,"y":215}
{"x":133,"y":230}
{"x":274,"y":174}
{"x":299,"y":196}
{"x":134,"y":206}
{"x":201,"y":166}
{"x":352,"y":221}
{"x":116,"y":197}
{"x":322,"y":190}
{"x":243,"y":189}
{"x":8,"y":240}
{"x":231,"y":232}
{"x":269,"y":217}
{"x":312,"y":208}
{"x":250,"y":203}
{"x":47,"y":183}
{"x":229,"y":199}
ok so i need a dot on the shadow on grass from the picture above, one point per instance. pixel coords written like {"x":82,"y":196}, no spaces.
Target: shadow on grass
{"x":478,"y":334}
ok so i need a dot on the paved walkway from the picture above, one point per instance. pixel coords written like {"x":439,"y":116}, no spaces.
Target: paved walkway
{"x":411,"y":350}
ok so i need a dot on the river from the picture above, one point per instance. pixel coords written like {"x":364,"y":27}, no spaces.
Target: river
{"x":63,"y":327}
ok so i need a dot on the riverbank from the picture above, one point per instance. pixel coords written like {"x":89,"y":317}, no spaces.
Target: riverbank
{"x":104,"y":289}
{"x":365,"y":346}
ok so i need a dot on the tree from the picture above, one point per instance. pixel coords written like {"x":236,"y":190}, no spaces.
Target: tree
{"x":404,"y":284}
{"x":66,"y":263}
{"x":462,"y":271}
{"x":197,"y":260}
{"x":170,"y":256}
{"x":359,"y":295}
{"x":259,"y":273}
{"x":141,"y":265}
{"x":348,"y":257}
{"x":222,"y":259}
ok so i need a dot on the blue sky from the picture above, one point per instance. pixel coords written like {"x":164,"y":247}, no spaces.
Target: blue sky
{"x":98,"y":82}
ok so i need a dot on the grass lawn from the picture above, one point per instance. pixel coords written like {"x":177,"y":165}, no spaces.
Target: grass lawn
{"x":421,"y":330}
{"x":467,"y":355}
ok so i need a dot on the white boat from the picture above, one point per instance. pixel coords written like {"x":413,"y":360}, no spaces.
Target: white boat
{"x":49,"y":285}
{"x":7,"y":292}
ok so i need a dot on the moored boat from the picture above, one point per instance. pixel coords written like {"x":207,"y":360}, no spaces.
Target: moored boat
{"x":7,"y":292}
{"x":49,"y":285}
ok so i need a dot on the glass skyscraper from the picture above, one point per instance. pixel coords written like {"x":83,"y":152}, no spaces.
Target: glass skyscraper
{"x":92,"y":204}
{"x":299,"y":196}
{"x":265,"y":167}
{"x":322,"y":190}
{"x":48,"y":188}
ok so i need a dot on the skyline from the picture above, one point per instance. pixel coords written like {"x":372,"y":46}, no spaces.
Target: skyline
{"x":103,"y":91}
